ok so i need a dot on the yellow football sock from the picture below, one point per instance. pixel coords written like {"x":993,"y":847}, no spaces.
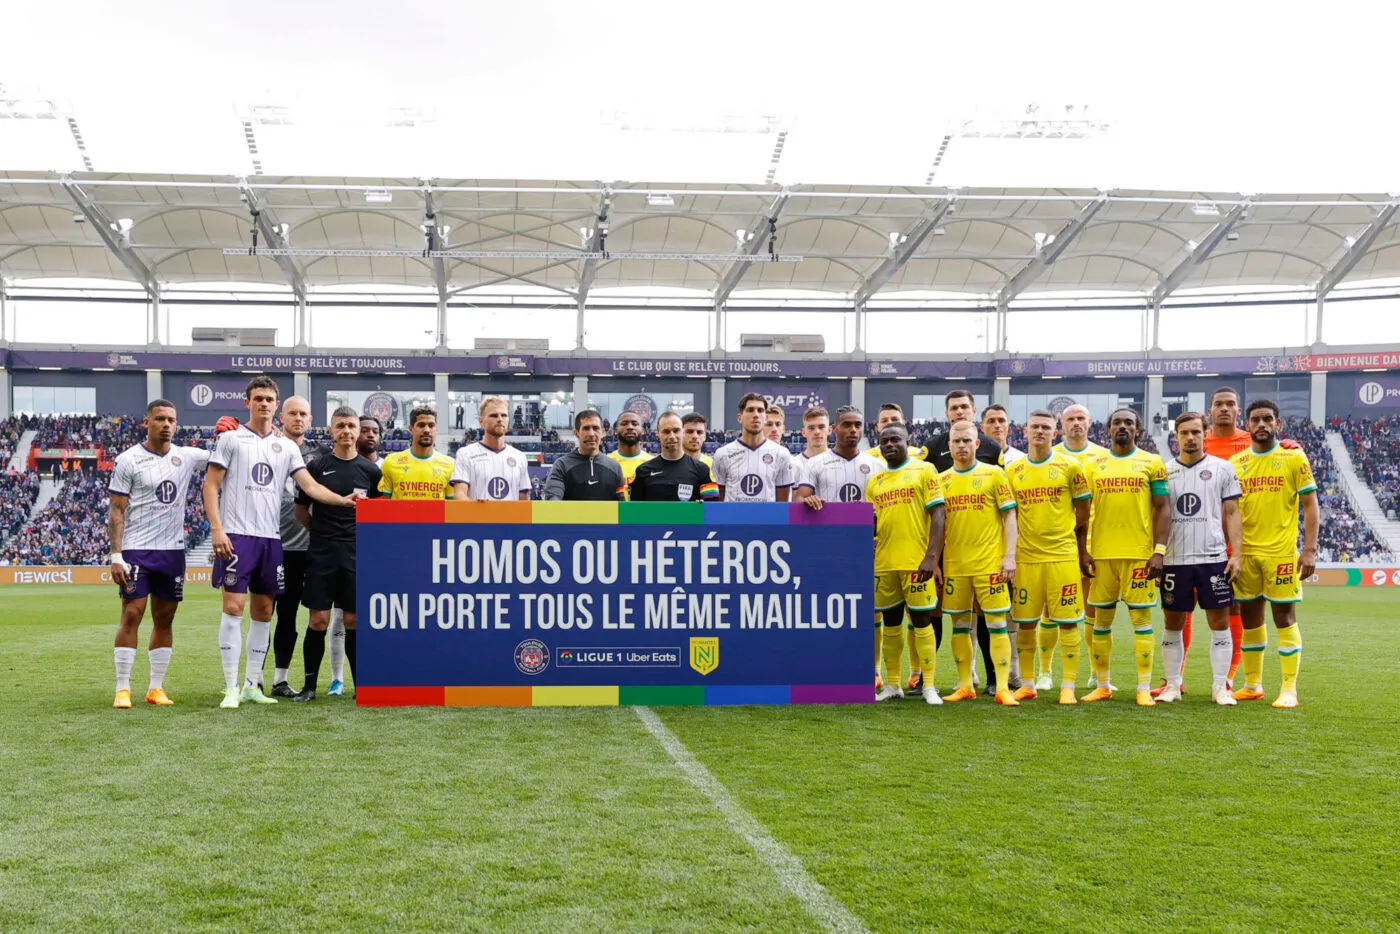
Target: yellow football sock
{"x":879,"y":639}
{"x":1101,"y":645}
{"x":962,"y":649}
{"x":1046,"y":636}
{"x":1290,"y":656}
{"x":1001,"y":649}
{"x":1144,"y":646}
{"x":913,"y":649}
{"x":928,"y":654}
{"x":1070,"y":644}
{"x":1252,"y":649}
{"x":892,"y":647}
{"x":1025,"y":648}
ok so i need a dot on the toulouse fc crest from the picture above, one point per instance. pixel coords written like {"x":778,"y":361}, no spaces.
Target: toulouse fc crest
{"x":531,"y":657}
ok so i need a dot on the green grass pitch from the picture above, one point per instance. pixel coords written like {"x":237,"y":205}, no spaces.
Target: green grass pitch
{"x":966,"y":818}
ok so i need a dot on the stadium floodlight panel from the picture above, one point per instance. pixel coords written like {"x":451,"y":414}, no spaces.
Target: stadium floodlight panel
{"x":1205,"y":209}
{"x":378,"y":196}
{"x":661,"y":200}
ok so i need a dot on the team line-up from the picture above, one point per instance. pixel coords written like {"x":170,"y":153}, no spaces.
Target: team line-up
{"x":1039,"y":543}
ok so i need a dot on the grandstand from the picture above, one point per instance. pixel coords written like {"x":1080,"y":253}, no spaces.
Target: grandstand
{"x":649,"y":208}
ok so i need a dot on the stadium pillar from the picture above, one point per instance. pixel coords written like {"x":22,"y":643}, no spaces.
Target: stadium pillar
{"x":1317,"y":398}
{"x":442,"y":334}
{"x":299,"y":327}
{"x":1001,"y":391}
{"x":4,"y":314}
{"x":5,"y":394}
{"x":857,"y":393}
{"x":155,"y":388}
{"x":860,"y":327}
{"x":301,"y":386}
{"x":1321,"y":306}
{"x":578,"y":326}
{"x":1154,"y":316}
{"x":1153,"y":405}
{"x":443,"y":406}
{"x":580,"y":393}
{"x":718,"y":419}
{"x":153,"y":326}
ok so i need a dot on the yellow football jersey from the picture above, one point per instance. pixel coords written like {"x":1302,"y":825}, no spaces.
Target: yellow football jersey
{"x":975,"y":542}
{"x":1272,"y":482}
{"x":1084,"y":454}
{"x":1123,"y":488}
{"x":1045,"y":494}
{"x":408,"y":476}
{"x":902,"y":499}
{"x":915,"y":454}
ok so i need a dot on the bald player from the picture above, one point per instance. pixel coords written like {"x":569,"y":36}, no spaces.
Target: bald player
{"x":891,"y":413}
{"x":296,"y":420}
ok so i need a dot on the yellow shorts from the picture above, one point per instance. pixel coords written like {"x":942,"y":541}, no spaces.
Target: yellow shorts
{"x":1051,"y":589}
{"x":959,"y":594}
{"x":1122,"y":579}
{"x":1273,"y":577}
{"x":895,"y":587}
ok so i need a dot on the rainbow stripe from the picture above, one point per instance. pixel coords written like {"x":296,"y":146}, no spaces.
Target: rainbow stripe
{"x":623,"y":513}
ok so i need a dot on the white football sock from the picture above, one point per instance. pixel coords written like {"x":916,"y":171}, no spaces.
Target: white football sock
{"x":124,"y":659}
{"x":1221,"y":648}
{"x":1015,"y":671}
{"x":1173,"y":656}
{"x":337,"y":645}
{"x":279,"y":675}
{"x":160,"y":661}
{"x":259,"y":634}
{"x":230,"y":647}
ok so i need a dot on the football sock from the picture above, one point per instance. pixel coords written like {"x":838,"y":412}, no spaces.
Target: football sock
{"x":1173,"y":654}
{"x":928,"y":654}
{"x":936,"y":625}
{"x":1185,"y":650}
{"x":962,"y":649}
{"x":350,"y":654}
{"x":1071,"y":641}
{"x":1222,"y":646}
{"x":1290,"y":656}
{"x":913,"y":651}
{"x":258,"y":635}
{"x":879,"y":643}
{"x":999,"y":644}
{"x":1101,"y":645}
{"x":984,"y":643}
{"x":124,"y":659}
{"x":338,"y":644}
{"x":1252,"y":645}
{"x":160,"y":661}
{"x":1025,"y":652}
{"x":230,"y":647}
{"x":1047,"y":634}
{"x":1237,"y":638}
{"x":279,"y":675}
{"x":1144,"y":646}
{"x":313,"y":649}
{"x":892,"y":647}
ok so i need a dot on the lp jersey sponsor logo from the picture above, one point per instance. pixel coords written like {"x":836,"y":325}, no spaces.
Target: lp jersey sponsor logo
{"x":1188,"y":504}
{"x":750,"y":484}
{"x":165,"y":493}
{"x":497,"y":487}
{"x":850,"y":493}
{"x":704,"y":654}
{"x":262,"y":474}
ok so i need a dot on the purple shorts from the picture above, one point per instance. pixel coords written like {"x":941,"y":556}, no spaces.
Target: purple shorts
{"x":154,"y":573}
{"x":1186,"y":585}
{"x":256,"y":566}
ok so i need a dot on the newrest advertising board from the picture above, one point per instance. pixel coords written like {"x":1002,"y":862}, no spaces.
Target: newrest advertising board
{"x":528,"y":604}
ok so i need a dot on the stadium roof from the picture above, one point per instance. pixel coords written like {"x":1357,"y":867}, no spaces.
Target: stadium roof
{"x":856,"y":243}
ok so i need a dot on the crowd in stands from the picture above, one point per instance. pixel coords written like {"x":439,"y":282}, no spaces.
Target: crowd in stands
{"x":70,"y":529}
{"x":1374,"y":445}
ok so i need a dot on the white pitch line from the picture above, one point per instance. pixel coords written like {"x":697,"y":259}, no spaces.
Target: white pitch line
{"x":819,"y":903}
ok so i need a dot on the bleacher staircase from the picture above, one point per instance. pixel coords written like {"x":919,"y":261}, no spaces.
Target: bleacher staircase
{"x":1386,"y":529}
{"x":19,"y":461}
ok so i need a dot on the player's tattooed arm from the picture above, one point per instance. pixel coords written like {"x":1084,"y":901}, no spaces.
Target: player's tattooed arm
{"x":116,"y":527}
{"x":1307,"y":560}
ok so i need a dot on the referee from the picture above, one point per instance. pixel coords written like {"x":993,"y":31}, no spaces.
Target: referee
{"x":296,"y":419}
{"x":330,"y":561}
{"x":675,"y":476}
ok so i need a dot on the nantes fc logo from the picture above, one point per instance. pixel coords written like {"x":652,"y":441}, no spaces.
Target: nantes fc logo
{"x":704,"y":654}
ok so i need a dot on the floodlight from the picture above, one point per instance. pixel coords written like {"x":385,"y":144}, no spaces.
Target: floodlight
{"x":1205,"y":209}
{"x":660,"y":201}
{"x":378,"y":195}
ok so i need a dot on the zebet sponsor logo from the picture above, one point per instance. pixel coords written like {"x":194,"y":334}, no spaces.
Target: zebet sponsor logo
{"x":619,"y":657}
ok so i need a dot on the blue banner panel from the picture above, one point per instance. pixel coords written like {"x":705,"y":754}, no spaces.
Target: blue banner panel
{"x":443,"y":604}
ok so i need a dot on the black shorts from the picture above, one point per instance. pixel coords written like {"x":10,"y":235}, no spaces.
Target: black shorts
{"x":1186,"y":585}
{"x":330,"y":576}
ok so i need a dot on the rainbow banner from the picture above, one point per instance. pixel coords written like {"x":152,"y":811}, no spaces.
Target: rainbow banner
{"x":519,"y":604}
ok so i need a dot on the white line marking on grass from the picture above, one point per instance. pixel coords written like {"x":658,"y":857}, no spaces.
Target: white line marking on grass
{"x":787,"y":867}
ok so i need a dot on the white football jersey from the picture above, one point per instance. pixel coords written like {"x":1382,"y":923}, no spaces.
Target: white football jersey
{"x":752,"y":475}
{"x":836,"y":479}
{"x":1010,"y":455}
{"x":258,"y":466}
{"x":1196,"y":495}
{"x":156,"y":486}
{"x":489,"y":474}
